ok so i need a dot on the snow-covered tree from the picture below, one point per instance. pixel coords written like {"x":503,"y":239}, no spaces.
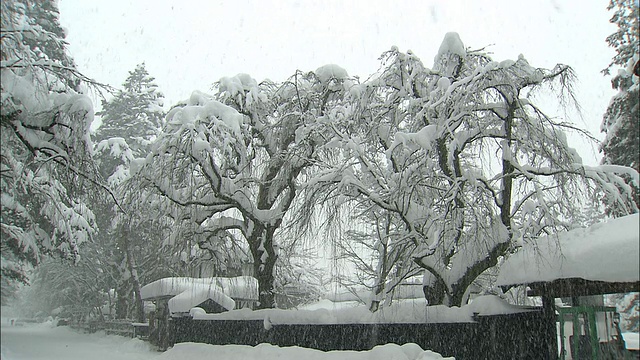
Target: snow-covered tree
{"x":626,"y":39}
{"x":376,"y":248}
{"x":621,"y":122}
{"x":79,"y":289}
{"x":234,"y":161}
{"x":465,"y":161}
{"x":46,"y":151}
{"x":130,"y":121}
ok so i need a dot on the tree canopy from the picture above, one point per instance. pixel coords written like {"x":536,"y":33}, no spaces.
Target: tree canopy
{"x":460,"y":166}
{"x":621,"y":121}
{"x":441,"y":172}
{"x":46,"y":150}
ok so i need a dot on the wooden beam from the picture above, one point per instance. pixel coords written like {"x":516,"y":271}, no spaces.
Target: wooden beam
{"x":580,"y":287}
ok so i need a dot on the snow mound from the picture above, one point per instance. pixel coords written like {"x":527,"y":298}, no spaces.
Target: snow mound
{"x":631,"y":340}
{"x":602,"y":252}
{"x":272,"y":352}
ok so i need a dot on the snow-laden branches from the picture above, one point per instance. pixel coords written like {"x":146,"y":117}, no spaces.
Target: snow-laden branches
{"x":46,"y":154}
{"x":464,"y":161}
{"x":233,"y":161}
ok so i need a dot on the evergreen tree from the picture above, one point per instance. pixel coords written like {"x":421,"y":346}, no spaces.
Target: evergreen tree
{"x":44,"y":15}
{"x":135,"y":113}
{"x":45,"y":147}
{"x":130,"y":121}
{"x":621,"y":121}
{"x":625,"y":39}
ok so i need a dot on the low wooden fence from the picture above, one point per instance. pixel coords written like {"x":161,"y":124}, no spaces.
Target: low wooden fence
{"x":513,"y":336}
{"x":119,"y":327}
{"x":114,"y":327}
{"x":87,"y":327}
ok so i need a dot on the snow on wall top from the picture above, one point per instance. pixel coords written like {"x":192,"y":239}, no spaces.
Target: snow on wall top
{"x":602,"y":252}
{"x":241,"y":287}
{"x":400,"y":312}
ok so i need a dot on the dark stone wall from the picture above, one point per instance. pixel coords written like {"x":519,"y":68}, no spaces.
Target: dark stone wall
{"x":514,"y":336}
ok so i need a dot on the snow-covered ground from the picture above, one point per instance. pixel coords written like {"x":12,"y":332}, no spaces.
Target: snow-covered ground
{"x":631,"y":340}
{"x":45,"y":341}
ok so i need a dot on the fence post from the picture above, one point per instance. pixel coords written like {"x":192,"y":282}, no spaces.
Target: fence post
{"x":548,"y":308}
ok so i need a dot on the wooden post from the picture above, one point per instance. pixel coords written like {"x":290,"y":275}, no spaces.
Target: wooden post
{"x":548,"y":307}
{"x":162,"y":316}
{"x":153,"y":331}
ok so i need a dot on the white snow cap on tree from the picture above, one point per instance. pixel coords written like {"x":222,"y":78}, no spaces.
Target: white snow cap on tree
{"x":451,"y":44}
{"x":202,"y":108}
{"x":238,"y":84}
{"x":448,"y":60}
{"x":331,"y":71}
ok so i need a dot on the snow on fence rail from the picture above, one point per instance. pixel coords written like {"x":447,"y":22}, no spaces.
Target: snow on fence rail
{"x":119,"y":327}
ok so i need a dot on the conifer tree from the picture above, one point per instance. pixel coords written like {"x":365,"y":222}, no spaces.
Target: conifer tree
{"x":621,"y":122}
{"x":44,"y":141}
{"x":130,"y":121}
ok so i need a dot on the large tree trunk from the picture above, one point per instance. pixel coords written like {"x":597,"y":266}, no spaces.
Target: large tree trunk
{"x":138,"y":306}
{"x":264,"y":261}
{"x":122,"y":300}
{"x":435,"y":290}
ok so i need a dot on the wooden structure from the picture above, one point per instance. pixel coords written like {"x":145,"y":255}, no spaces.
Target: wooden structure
{"x":601,"y":259}
{"x":175,"y":297}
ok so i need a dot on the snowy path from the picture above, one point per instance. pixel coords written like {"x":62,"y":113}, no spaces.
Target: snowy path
{"x":43,"y":342}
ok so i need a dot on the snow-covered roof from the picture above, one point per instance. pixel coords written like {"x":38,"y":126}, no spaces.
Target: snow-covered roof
{"x":188,"y":299}
{"x":188,"y":292}
{"x":240,"y":287}
{"x":606,"y":252}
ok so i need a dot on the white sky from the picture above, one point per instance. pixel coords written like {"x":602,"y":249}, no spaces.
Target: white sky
{"x":188,"y":45}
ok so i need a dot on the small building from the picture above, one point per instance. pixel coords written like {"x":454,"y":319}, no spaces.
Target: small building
{"x":214,"y":294}
{"x":578,"y":264}
{"x":176,"y":296}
